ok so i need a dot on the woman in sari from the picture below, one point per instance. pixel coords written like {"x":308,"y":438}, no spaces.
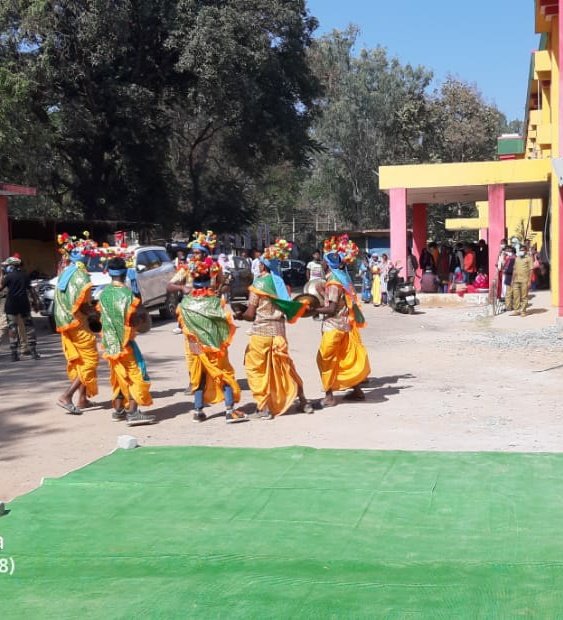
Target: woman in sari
{"x":367,"y":280}
{"x":384,"y":267}
{"x":376,"y":278}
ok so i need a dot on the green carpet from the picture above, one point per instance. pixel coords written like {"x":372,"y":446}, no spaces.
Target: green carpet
{"x":290,"y":533}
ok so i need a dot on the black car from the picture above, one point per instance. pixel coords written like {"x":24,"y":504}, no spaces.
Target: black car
{"x":294,"y":272}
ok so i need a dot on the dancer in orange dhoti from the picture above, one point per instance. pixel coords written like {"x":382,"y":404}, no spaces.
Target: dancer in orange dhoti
{"x":72,"y":306}
{"x":272,"y":377}
{"x":208,"y":330}
{"x":121,"y":314}
{"x":342,"y":358}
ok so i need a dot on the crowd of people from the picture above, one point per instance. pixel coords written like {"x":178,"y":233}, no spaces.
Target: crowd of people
{"x":455,"y":268}
{"x":208,"y":328}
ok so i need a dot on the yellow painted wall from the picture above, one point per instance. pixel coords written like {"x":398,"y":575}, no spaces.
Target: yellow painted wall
{"x":517,"y":211}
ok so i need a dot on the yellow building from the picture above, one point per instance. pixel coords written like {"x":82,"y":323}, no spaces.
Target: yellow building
{"x":525,"y":219}
{"x":523,"y":190}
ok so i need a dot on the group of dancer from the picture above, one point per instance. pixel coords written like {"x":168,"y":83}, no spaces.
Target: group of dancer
{"x":208,"y":326}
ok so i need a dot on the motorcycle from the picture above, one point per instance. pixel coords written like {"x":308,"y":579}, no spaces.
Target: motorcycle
{"x":401,"y":295}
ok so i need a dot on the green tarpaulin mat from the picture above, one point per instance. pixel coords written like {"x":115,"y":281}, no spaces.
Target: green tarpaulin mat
{"x":289,"y":533}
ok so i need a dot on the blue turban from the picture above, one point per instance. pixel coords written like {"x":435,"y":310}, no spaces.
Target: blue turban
{"x":273,"y":266}
{"x":115,"y":273}
{"x":334,"y":261}
{"x":76,"y":255}
{"x":198,"y":247}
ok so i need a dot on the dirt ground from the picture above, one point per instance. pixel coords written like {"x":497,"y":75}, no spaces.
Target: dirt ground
{"x":440,"y":381}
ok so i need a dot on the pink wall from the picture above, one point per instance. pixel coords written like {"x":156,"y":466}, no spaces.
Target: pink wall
{"x":497,"y":225}
{"x":398,"y":225}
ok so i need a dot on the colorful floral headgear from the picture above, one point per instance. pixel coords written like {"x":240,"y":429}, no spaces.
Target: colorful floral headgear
{"x":204,"y":242}
{"x":74,"y":249}
{"x":280,"y":250}
{"x":341,"y":247}
{"x":107,"y":253}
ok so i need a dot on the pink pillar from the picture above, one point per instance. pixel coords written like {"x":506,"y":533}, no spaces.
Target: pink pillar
{"x":4,"y":229}
{"x":398,"y":225}
{"x":559,"y":257}
{"x":419,"y":232}
{"x":497,"y":225}
{"x":557,"y":230}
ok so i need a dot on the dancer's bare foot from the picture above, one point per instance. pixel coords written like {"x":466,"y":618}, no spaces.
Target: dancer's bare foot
{"x":85,"y":404}
{"x":329,"y":401}
{"x":356,"y":395}
{"x":305,"y":406}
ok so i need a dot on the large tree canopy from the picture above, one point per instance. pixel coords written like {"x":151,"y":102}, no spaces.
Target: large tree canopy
{"x":155,"y":111}
{"x":373,"y":113}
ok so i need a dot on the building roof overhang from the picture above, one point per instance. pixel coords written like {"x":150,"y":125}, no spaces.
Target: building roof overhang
{"x":9,"y":189}
{"x":469,"y":181}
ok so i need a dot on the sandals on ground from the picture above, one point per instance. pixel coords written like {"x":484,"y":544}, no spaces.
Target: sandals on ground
{"x":70,"y":408}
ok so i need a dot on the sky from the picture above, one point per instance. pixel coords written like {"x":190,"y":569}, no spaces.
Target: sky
{"x":486,"y":42}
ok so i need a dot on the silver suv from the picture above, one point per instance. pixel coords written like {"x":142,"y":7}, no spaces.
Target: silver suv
{"x":149,"y":278}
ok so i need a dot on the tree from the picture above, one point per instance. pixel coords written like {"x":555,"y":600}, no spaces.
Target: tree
{"x":373,"y":113}
{"x":462,"y":126}
{"x":162,"y":112}
{"x":252,"y":105}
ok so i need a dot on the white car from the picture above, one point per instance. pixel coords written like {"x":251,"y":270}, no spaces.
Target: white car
{"x":153,"y":271}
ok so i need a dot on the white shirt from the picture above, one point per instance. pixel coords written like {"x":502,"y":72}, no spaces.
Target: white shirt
{"x":256,"y":267}
{"x":315,"y":270}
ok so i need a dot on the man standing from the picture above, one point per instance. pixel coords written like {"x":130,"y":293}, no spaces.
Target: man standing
{"x":272,"y":377}
{"x":506,"y":274}
{"x":17,"y":305}
{"x":122,"y":316}
{"x":342,"y":358}
{"x":208,"y":331}
{"x":521,"y":278}
{"x":315,"y":267}
{"x":246,"y":258}
{"x":71,"y":308}
{"x":255,"y":265}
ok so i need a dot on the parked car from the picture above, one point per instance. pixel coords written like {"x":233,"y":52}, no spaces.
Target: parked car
{"x":294,"y":272}
{"x":148,"y":279}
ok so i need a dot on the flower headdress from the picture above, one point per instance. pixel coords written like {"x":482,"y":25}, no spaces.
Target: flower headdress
{"x":342,"y":245}
{"x":205,"y":268}
{"x":107,"y":253}
{"x":280,"y":250}
{"x":205,"y":242}
{"x":69,"y":245}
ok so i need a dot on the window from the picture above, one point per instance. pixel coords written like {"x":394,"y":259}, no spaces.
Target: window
{"x":163,"y":256}
{"x":148,"y":258}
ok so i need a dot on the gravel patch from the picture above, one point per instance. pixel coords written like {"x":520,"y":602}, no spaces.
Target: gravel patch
{"x":548,"y":339}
